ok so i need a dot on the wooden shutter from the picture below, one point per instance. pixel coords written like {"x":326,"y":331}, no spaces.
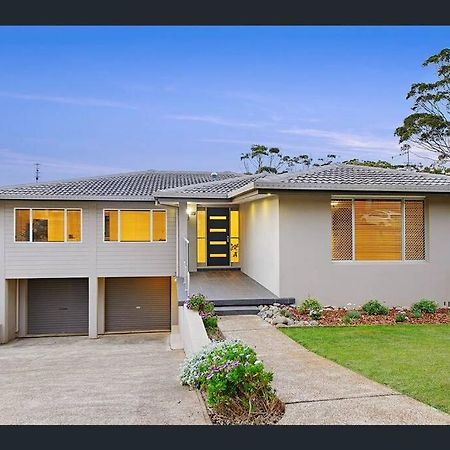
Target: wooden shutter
{"x":378,"y":230}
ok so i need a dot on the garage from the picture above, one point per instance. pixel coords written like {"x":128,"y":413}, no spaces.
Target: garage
{"x":137,"y":304}
{"x":58,"y":306}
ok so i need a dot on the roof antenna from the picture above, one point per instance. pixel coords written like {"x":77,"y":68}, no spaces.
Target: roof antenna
{"x":36,"y":176}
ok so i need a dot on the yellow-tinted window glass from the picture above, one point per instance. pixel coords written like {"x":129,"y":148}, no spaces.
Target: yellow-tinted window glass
{"x":201,"y":224}
{"x":112,"y":226}
{"x":378,"y":230}
{"x":22,"y":225}
{"x":159,"y":225}
{"x":48,"y":225}
{"x":134,"y":226}
{"x":201,"y":251}
{"x":73,"y":225}
{"x":234,"y":224}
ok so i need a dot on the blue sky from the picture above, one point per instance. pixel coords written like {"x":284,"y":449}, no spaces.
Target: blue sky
{"x":84,"y":101}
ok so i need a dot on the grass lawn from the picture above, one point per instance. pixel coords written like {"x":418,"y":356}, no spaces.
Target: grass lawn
{"x":413,"y":359}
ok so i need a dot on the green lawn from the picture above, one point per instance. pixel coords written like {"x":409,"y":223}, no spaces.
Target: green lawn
{"x":413,"y":359}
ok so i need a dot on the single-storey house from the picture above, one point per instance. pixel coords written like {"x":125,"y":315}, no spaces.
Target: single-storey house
{"x":117,"y":253}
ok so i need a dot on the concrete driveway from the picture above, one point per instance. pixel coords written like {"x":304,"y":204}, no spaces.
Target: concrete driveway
{"x":121,"y":379}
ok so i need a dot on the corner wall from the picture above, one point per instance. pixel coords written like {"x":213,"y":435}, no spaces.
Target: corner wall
{"x":306,"y":267}
{"x":259,"y":241}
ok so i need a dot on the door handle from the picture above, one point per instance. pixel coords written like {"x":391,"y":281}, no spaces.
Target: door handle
{"x":228,"y":239}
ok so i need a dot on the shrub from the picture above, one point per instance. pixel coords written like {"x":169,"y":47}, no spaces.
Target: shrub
{"x":196,"y":302}
{"x":375,"y":308}
{"x":209,"y":321}
{"x":417,"y":314}
{"x":190,"y":368}
{"x":309,"y":304}
{"x":424,"y":306}
{"x":315,"y":314}
{"x":232,"y":373}
{"x":400,"y":317}
{"x":351,"y":316}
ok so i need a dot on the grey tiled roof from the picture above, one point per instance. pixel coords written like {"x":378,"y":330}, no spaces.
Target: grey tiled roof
{"x":126,"y":186}
{"x":214,"y":189}
{"x":345,"y":177}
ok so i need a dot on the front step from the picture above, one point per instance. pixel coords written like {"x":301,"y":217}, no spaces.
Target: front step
{"x":236,"y":310}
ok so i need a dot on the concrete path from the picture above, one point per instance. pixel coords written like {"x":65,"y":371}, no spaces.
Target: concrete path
{"x":121,"y":379}
{"x":319,"y":391}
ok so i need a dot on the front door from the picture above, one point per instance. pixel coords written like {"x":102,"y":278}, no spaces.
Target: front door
{"x":218,"y":236}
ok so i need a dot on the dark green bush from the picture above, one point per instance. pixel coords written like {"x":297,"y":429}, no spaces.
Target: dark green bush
{"x":351,"y":316}
{"x":400,"y":317}
{"x":209,"y":321}
{"x":309,"y":304}
{"x":416,"y":314}
{"x":425,"y":306}
{"x":375,"y":308}
{"x":196,"y":302}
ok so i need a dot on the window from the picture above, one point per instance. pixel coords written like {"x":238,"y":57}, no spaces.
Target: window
{"x":135,"y":225}
{"x":48,"y":225}
{"x":201,"y":236}
{"x":234,"y":236}
{"x":377,"y":230}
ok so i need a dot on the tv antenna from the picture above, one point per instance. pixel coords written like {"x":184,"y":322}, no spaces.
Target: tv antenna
{"x":37,"y":171}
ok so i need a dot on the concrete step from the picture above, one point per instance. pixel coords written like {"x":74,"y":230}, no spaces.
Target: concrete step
{"x":236,"y":310}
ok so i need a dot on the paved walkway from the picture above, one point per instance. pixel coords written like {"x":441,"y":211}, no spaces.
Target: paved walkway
{"x":121,"y":379}
{"x":319,"y":391}
{"x":227,"y":284}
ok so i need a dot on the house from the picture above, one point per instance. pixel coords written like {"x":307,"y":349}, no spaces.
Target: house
{"x":116,"y":254}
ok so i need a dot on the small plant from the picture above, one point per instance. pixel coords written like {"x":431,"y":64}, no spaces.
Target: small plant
{"x":209,"y":321}
{"x":375,"y":308}
{"x":400,"y":317}
{"x":417,"y":314}
{"x":196,"y":302}
{"x":309,"y":304}
{"x":425,"y":306}
{"x":315,"y":314}
{"x":351,"y":316}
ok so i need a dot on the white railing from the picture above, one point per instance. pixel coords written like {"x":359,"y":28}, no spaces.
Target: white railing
{"x":187,"y":275}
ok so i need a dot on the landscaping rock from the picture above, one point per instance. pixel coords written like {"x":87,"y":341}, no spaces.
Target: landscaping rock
{"x":280,"y":320}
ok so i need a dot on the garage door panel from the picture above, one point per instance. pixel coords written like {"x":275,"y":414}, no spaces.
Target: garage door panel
{"x":137,"y":304}
{"x":58,"y":306}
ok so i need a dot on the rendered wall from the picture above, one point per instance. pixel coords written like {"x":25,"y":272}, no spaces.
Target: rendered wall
{"x":306,"y":267}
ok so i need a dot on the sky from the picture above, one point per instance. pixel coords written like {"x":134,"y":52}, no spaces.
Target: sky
{"x":86,"y":101}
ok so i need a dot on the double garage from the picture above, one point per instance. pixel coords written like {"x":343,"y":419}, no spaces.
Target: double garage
{"x":132,"y":304}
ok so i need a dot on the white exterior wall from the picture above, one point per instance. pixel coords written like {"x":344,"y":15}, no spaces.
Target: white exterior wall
{"x":259,"y":242}
{"x":306,"y":267}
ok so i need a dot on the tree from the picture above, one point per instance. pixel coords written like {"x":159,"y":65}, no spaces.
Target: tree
{"x":263,"y":159}
{"x":428,"y":127}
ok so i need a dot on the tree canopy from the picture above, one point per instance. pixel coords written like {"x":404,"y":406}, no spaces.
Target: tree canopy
{"x":428,"y":127}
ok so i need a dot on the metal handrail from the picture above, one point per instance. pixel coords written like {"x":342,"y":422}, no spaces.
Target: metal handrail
{"x":187,"y":276}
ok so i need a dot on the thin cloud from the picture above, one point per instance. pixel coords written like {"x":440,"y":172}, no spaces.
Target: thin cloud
{"x":215,"y":120}
{"x":347,"y":140}
{"x":78,"y":101}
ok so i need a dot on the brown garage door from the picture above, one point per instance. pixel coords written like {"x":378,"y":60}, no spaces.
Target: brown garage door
{"x":58,"y":306}
{"x":137,"y":304}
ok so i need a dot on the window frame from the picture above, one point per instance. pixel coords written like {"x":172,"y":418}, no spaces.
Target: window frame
{"x":402,"y":199}
{"x":151,"y":241}
{"x":30,"y":241}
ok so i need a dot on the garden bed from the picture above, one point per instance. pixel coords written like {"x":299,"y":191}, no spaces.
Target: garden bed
{"x":334,"y":317}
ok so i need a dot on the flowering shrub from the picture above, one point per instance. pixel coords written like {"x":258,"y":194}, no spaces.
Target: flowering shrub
{"x":424,"y":306}
{"x":190,"y":368}
{"x":197,"y":302}
{"x":315,"y":314}
{"x":400,"y":317}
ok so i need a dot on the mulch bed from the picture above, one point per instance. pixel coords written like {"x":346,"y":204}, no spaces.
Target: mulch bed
{"x":334,"y":317}
{"x":264,"y":413}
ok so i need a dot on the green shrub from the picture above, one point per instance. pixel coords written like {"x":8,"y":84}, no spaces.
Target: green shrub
{"x":209,"y":321}
{"x":417,"y":314}
{"x":400,"y":317}
{"x":425,"y":306}
{"x":375,"y":308}
{"x":351,"y":316}
{"x":232,"y":373}
{"x":309,"y":304}
{"x":196,"y":302}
